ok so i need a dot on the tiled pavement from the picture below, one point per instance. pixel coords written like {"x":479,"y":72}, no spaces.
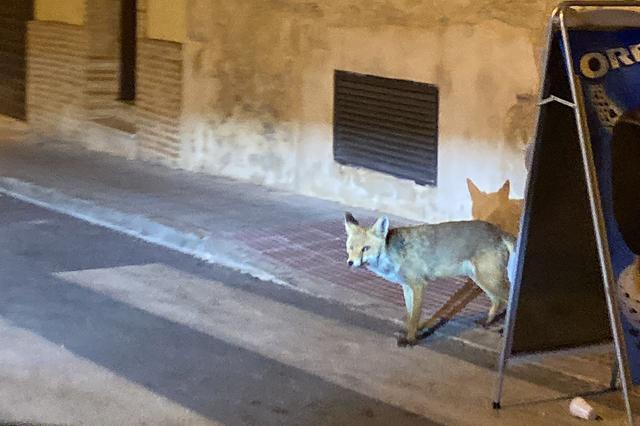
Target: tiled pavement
{"x":317,"y":249}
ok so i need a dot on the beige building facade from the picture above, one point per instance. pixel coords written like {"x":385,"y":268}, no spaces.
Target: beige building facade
{"x":245,"y":88}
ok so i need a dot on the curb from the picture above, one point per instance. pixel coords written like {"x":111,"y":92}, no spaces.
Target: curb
{"x":130,"y":224}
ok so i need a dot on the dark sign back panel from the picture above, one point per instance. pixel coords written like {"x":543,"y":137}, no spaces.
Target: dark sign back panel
{"x":561,"y":297}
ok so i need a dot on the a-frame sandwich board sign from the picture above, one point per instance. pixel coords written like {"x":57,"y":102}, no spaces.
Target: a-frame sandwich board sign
{"x":570,"y":250}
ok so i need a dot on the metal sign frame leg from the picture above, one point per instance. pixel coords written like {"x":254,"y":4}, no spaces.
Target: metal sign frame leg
{"x":621,"y":364}
{"x":615,"y":371}
{"x":512,"y":307}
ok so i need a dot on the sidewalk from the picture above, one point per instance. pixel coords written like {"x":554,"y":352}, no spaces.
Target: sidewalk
{"x":287,"y":239}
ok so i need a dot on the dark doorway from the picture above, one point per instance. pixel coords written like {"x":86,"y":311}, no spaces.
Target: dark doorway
{"x":128,"y":24}
{"x":14,"y":16}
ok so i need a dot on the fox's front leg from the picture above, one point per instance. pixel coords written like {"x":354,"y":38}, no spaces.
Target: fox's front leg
{"x":414,"y":309}
{"x":408,"y":303}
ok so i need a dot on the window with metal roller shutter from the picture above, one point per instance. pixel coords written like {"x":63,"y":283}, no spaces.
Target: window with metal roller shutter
{"x":387,"y":125}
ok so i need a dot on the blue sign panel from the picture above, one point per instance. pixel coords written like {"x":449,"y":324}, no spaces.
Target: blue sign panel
{"x":608,"y":65}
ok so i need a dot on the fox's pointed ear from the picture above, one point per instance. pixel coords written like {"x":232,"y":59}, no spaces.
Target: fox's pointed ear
{"x":474,"y":191}
{"x":349,"y":221}
{"x":381,"y":227}
{"x":506,"y":188}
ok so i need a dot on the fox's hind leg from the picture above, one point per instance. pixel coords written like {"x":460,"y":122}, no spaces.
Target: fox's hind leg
{"x":490,"y":274}
{"x":497,"y":307}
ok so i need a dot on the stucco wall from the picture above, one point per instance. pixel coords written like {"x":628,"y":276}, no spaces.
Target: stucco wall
{"x":166,"y":20}
{"x":66,"y":11}
{"x":255,"y":88}
{"x":258,"y":82}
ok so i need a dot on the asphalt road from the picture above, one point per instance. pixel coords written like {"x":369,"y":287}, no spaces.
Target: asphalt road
{"x":101,"y":328}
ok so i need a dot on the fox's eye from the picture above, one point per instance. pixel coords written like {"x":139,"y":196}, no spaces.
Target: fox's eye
{"x":365,"y":248}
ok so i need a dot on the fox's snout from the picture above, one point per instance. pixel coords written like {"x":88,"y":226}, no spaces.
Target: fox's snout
{"x":354,"y":263}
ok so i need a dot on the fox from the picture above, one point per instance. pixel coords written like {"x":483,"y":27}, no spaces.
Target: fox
{"x":411,"y":256}
{"x":496,"y":207}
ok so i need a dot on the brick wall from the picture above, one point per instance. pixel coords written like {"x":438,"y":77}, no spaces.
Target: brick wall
{"x":103,"y":28}
{"x":159,"y":100}
{"x":56,"y":75}
{"x":102,"y":87}
{"x":73,"y":85}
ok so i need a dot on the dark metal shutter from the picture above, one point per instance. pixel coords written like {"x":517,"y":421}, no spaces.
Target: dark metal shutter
{"x":387,"y":125}
{"x":14,"y":15}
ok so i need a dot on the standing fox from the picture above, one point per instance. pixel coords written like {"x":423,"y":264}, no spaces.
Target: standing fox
{"x":496,"y":207}
{"x":411,"y":256}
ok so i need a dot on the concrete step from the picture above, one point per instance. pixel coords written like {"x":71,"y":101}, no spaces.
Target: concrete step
{"x":112,"y":135}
